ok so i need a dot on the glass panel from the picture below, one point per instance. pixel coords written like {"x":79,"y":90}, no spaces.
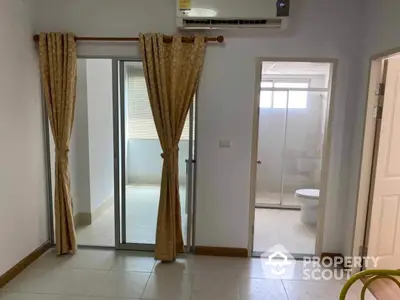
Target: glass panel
{"x":290,"y":84}
{"x":316,"y":73}
{"x":186,"y":173}
{"x":118,"y":151}
{"x":298,"y":99}
{"x":265,"y":99}
{"x":266,"y":84}
{"x":279,"y":99}
{"x":270,"y":146}
{"x":191,"y":178}
{"x":303,"y":147}
{"x":143,"y":165}
{"x":320,"y":80}
{"x":183,"y":160}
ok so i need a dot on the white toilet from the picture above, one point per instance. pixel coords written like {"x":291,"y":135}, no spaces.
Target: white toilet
{"x":309,"y":199}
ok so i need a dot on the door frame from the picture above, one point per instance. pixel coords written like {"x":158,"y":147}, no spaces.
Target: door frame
{"x":325,"y":152}
{"x":370,"y":139}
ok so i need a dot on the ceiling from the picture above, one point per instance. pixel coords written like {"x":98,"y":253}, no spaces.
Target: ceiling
{"x":295,"y":68}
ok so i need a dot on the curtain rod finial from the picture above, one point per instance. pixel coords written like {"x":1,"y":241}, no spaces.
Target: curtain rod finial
{"x":220,"y":39}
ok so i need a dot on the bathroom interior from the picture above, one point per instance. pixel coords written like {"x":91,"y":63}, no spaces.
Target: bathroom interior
{"x":293,"y":106}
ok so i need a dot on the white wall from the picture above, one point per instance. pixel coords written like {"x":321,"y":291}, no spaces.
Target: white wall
{"x":100,"y":130}
{"x":381,"y":34}
{"x":91,"y":149}
{"x":79,"y":147}
{"x":23,"y":198}
{"x":324,"y":28}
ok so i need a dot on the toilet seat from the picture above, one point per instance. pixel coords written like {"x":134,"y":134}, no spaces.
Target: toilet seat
{"x":309,"y":200}
{"x":309,"y":194}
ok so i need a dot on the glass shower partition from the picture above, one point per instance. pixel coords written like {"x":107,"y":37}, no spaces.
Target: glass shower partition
{"x":304,"y":146}
{"x":271,"y":136}
{"x":290,"y":139}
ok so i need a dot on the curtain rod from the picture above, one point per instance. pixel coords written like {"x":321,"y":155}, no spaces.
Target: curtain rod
{"x":167,"y":39}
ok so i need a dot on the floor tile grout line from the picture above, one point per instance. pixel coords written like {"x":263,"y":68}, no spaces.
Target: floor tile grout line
{"x":284,"y":288}
{"x":145,"y":286}
{"x":191,"y":284}
{"x":154,"y":266}
{"x":238,"y":278}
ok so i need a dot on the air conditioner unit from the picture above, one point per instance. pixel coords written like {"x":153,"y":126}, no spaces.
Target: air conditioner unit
{"x":225,"y":14}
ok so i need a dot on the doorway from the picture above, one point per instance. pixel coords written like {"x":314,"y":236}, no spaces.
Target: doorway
{"x":289,"y":151}
{"x":138,"y":165}
{"x":377,"y":231}
{"x":91,"y":163}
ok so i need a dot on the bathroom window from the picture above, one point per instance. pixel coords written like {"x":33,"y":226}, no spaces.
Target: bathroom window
{"x":277,"y":99}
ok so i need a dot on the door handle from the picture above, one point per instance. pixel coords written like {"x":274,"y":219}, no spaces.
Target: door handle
{"x":259,"y":162}
{"x":187,"y":161}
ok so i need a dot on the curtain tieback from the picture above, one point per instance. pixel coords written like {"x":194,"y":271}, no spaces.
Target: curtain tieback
{"x":62,"y":154}
{"x":169,"y":151}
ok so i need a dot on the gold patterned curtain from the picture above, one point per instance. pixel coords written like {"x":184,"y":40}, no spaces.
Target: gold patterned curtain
{"x":172,"y":71}
{"x":57,"y":53}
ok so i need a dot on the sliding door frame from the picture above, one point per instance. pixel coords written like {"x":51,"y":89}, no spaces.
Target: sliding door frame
{"x":118,"y":66}
{"x":49,"y":182}
{"x":119,"y":115}
{"x":191,"y":179}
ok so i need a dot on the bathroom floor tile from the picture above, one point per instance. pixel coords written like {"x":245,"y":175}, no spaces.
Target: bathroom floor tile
{"x":283,"y":227}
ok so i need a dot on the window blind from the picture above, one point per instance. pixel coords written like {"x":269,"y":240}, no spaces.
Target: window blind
{"x":140,"y":123}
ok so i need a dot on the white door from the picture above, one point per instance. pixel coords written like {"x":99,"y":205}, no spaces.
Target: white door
{"x":384,"y":229}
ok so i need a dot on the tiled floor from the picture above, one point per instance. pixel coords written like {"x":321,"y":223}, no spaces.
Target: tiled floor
{"x":107,"y":275}
{"x":283,"y":227}
{"x":272,"y":226}
{"x":141,"y":218}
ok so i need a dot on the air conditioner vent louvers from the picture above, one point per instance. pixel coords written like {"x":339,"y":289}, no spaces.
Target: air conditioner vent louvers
{"x":211,"y":22}
{"x":271,"y":15}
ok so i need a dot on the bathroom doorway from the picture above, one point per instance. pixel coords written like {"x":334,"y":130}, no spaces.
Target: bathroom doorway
{"x":289,"y":138}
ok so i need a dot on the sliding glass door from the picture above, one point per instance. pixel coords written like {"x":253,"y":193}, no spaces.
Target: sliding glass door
{"x":138,"y":163}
